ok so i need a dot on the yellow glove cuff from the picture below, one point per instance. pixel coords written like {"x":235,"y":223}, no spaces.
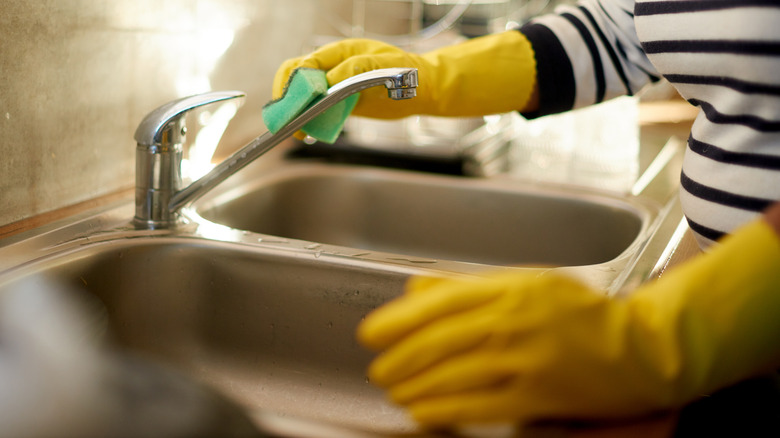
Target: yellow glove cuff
{"x":487,"y":75}
{"x":713,"y":321}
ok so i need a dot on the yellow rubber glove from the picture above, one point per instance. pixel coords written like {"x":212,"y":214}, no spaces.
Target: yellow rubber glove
{"x":515,"y":347}
{"x":486,"y":75}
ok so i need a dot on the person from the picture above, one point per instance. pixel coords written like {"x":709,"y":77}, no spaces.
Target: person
{"x":521,"y":347}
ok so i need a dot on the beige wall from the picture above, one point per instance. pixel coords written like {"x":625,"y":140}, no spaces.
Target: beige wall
{"x":76,"y":77}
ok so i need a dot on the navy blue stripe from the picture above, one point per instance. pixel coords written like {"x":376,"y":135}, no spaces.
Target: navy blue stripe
{"x":754,"y":122}
{"x":740,"y":159}
{"x":607,"y":14}
{"x":628,"y":12}
{"x":653,"y":78}
{"x":610,"y":51}
{"x":598,"y":68}
{"x":619,"y":47}
{"x":705,"y":231}
{"x":554,"y":72}
{"x":733,"y":83}
{"x":739,"y":47}
{"x":677,"y":7}
{"x":723,"y":197}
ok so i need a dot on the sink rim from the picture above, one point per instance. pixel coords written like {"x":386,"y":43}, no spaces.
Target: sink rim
{"x":114,"y":221}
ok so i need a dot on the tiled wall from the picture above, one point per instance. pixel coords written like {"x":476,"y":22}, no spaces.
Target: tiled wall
{"x":76,"y":77}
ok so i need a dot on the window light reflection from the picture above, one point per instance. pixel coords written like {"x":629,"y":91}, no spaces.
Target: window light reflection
{"x":198,"y":162}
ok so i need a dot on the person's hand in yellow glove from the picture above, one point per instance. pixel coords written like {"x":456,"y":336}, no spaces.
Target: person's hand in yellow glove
{"x":486,"y":75}
{"x":516,"y":347}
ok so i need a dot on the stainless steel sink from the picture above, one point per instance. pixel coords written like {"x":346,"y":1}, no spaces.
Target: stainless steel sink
{"x":259,"y":295}
{"x":491,"y":222}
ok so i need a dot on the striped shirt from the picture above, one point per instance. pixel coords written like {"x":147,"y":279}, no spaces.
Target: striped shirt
{"x":723,"y":56}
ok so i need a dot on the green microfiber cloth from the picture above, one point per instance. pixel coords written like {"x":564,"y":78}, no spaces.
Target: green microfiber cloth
{"x":304,"y":87}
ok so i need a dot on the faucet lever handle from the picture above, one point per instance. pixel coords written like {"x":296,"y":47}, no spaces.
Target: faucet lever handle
{"x":150,"y":130}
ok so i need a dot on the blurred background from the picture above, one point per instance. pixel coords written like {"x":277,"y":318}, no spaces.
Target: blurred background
{"x":77,"y":76}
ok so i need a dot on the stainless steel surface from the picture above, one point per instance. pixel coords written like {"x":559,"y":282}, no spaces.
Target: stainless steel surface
{"x":162,"y":126}
{"x":268,"y":319}
{"x":158,"y":167}
{"x":159,"y":138}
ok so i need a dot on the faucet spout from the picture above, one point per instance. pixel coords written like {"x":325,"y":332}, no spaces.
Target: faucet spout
{"x":158,"y":165}
{"x":401,"y":83}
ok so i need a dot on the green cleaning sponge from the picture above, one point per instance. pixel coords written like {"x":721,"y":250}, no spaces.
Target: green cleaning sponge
{"x":304,"y":87}
{"x":327,"y":126}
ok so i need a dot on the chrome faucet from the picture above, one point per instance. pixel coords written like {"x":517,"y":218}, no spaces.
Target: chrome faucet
{"x":159,"y":197}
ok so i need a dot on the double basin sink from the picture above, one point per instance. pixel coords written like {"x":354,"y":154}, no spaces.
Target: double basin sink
{"x":260,"y":293}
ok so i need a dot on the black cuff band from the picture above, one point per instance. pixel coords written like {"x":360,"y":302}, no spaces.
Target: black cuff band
{"x":554,"y":72}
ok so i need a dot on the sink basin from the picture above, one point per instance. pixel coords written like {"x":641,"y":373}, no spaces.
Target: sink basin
{"x":270,"y":329}
{"x":490,"y":222}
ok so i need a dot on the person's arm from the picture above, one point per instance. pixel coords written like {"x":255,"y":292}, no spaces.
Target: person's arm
{"x":585,"y":54}
{"x":520,"y":347}
{"x":576,"y":57}
{"x":486,"y":75}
